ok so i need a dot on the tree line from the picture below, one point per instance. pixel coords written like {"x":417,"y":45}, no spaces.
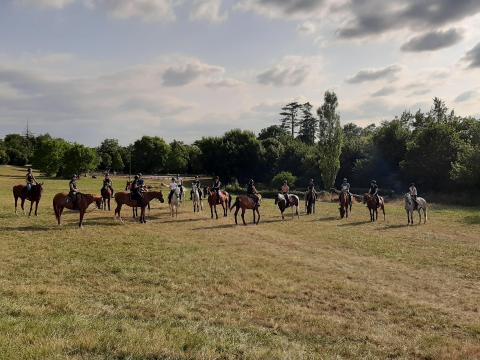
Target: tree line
{"x":437,"y":150}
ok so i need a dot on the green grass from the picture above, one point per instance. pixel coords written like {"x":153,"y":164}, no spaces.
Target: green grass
{"x":196,"y":288}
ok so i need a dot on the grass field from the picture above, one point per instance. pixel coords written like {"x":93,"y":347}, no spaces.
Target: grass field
{"x":196,"y":288}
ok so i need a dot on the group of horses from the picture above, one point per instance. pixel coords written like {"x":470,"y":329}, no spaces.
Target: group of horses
{"x":220,"y":198}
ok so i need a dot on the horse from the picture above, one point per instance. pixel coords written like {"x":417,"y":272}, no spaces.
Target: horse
{"x":245,"y":202}
{"x":124,"y":198}
{"x":107,"y":194}
{"x":410,"y":208}
{"x":34,"y":196}
{"x":310,"y":199}
{"x":63,"y":200}
{"x":282,"y":204}
{"x":225,"y":200}
{"x":134,"y":209}
{"x":372,"y":205}
{"x":175,"y":202}
{"x":345,"y":204}
{"x":197,"y":201}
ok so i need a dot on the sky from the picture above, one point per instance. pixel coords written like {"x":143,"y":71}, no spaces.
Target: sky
{"x":87,"y":70}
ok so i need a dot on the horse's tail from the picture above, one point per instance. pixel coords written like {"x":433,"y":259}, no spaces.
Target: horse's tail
{"x":236,"y":203}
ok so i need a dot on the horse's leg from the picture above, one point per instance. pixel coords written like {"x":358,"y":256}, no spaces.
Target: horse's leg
{"x":243,"y":216}
{"x":31,"y":207}
{"x":425,"y":214}
{"x":16,"y":201}
{"x":109,"y":204}
{"x":254,"y":220}
{"x":142,"y":217}
{"x":224,"y":207}
{"x":296,"y":211}
{"x":258,"y":216}
{"x":383,"y":210}
{"x":215,"y":208}
{"x":36,"y":207}
{"x":22,"y":204}
{"x":82,"y":213}
{"x":236,"y":213}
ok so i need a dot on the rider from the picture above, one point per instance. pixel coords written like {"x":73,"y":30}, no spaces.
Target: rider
{"x":311,"y":187}
{"x":196,"y":183}
{"x":412,"y":190}
{"x":107,"y":182}
{"x":253,"y":193}
{"x":73,"y":189}
{"x":173,"y":186}
{"x":216,"y":187}
{"x":285,"y":191}
{"x":30,"y":180}
{"x":346,"y":187}
{"x":136,"y":188}
{"x":374,"y":191}
{"x":180,"y":183}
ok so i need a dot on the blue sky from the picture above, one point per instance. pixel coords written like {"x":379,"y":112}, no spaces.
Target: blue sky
{"x":91,"y":69}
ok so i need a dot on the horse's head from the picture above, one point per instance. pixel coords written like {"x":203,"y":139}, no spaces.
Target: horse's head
{"x":366,"y":196}
{"x":277,"y":199}
{"x":160,"y":197}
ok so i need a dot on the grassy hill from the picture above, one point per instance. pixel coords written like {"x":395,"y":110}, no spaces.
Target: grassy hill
{"x":196,"y":288}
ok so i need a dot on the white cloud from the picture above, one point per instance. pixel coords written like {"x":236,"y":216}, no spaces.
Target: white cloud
{"x":189,"y":71}
{"x":290,"y":71}
{"x":306,"y":28}
{"x":208,"y":10}
{"x":56,"y":4}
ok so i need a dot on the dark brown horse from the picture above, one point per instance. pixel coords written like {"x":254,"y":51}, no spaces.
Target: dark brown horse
{"x":34,"y":196}
{"x":107,"y":194}
{"x":345,"y":204}
{"x":213,"y":200}
{"x":310,"y":199}
{"x":63,"y":200}
{"x":124,"y":198}
{"x":134,"y":209}
{"x":373,"y":206}
{"x":245,"y":202}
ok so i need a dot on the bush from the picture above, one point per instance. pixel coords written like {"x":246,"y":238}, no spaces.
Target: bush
{"x":278,"y":179}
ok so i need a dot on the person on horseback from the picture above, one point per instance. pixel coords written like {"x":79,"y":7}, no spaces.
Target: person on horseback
{"x":196,"y":184}
{"x":107,"y":182}
{"x":253,"y":193}
{"x":345,"y":187}
{"x":374,"y":191}
{"x":72,"y":194}
{"x":285,"y":191}
{"x":173,"y":186}
{"x":136,"y":189}
{"x":30,"y":180}
{"x":216,"y":187}
{"x":412,"y":190}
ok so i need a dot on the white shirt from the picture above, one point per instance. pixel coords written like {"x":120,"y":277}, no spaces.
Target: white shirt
{"x":173,"y":186}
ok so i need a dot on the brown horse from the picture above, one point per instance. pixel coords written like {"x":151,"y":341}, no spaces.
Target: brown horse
{"x":372,"y":205}
{"x":63,"y":200}
{"x":107,"y":194}
{"x":34,"y":196}
{"x":245,"y":202}
{"x":310,"y":199}
{"x":213,"y":200}
{"x":124,"y":198}
{"x":345,"y":204}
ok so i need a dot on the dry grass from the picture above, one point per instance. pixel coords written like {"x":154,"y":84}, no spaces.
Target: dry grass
{"x":195,"y":288}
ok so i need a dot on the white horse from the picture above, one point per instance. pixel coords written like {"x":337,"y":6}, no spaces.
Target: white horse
{"x":410,"y":208}
{"x":294,"y":202}
{"x":175,"y":203}
{"x":197,"y":202}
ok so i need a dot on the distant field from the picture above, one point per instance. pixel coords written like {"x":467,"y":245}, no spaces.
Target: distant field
{"x":196,"y":288}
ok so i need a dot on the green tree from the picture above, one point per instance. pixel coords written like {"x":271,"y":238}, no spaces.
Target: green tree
{"x":49,"y":155}
{"x":289,"y":118}
{"x":308,"y":125}
{"x":79,"y":159}
{"x":177,"y":160}
{"x":466,"y":169}
{"x":330,"y":139}
{"x":274,"y":132}
{"x":280,"y":178}
{"x":3,"y":154}
{"x":110,"y":153}
{"x":17,"y":148}
{"x":150,"y":155}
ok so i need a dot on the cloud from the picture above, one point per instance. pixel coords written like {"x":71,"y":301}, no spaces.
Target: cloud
{"x":223,"y":83}
{"x":433,"y":40}
{"x":208,"y":10}
{"x":473,"y":57}
{"x":385,"y":91}
{"x":183,"y":74}
{"x":388,"y":72}
{"x":375,"y":17}
{"x":55,"y":4}
{"x":306,"y":28}
{"x":291,"y":71}
{"x":282,"y":8}
{"x":466,"y":96}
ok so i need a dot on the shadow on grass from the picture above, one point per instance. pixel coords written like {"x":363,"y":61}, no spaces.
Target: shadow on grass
{"x":225,"y":226}
{"x":397,"y":226}
{"x":327,"y":218}
{"x":472,"y":220}
{"x":36,"y":228}
{"x":356,"y":223}
{"x":170,"y":220}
